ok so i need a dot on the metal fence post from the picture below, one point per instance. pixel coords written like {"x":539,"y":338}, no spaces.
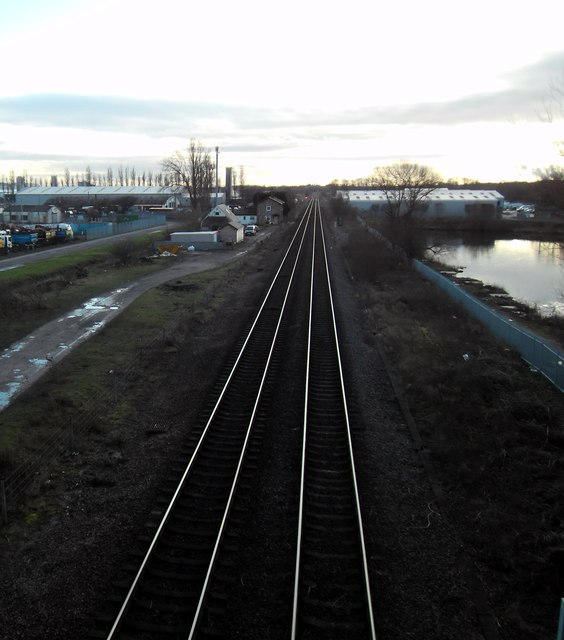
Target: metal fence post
{"x":3,"y":503}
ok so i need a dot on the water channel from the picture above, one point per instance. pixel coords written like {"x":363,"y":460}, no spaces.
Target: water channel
{"x":530,"y":271}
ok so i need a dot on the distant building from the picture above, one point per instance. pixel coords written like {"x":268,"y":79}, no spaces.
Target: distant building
{"x":244,"y":215}
{"x":440,"y":203}
{"x":199,"y":240}
{"x":30,"y":214}
{"x":222,"y":219}
{"x":228,"y":183}
{"x":100,"y":196}
{"x":270,"y":211}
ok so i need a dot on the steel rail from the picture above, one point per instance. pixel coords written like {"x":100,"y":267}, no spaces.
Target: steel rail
{"x":363,"y":554}
{"x":351,"y":452}
{"x":304,"y":441}
{"x":227,"y":510}
{"x":144,"y":563}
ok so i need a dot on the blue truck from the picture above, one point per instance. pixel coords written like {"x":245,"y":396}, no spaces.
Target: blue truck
{"x":24,"y":240}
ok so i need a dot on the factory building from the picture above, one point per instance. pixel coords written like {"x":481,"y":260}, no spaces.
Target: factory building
{"x":440,"y":203}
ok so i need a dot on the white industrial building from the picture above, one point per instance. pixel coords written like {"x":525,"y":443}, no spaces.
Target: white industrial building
{"x":169,"y":197}
{"x":47,"y":214}
{"x":440,"y":203}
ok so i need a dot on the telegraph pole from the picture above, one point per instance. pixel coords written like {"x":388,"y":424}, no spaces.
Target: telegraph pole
{"x":216,"y":176}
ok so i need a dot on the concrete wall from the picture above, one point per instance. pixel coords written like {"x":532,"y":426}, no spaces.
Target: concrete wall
{"x":184,"y":237}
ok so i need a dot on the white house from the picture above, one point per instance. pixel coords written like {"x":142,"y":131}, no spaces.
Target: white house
{"x":222,"y":219}
{"x":245,"y":216}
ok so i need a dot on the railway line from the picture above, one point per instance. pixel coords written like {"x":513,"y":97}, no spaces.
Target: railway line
{"x":197,"y":571}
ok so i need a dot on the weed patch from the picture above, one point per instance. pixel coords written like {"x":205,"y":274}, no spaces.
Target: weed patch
{"x":494,"y":429}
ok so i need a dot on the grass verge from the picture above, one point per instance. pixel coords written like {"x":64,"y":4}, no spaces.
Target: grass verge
{"x":41,"y":291}
{"x":494,"y":429}
{"x":97,"y":384}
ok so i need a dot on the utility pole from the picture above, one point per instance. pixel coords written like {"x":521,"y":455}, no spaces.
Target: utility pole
{"x":216,"y":176}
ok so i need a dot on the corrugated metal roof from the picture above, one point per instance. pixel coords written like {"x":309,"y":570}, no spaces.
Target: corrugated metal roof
{"x":84,"y":191}
{"x":438,"y":194}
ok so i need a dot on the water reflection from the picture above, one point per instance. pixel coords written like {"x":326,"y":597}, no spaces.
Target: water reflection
{"x":530,"y":271}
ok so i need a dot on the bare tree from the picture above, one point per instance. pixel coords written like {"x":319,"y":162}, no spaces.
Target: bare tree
{"x":240,"y":182}
{"x":406,"y":186}
{"x":553,"y":111}
{"x":554,"y":106}
{"x":552,"y":172}
{"x":193,"y":171}
{"x":554,"y":100}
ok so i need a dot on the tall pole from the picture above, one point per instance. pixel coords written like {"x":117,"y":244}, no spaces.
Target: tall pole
{"x":216,"y":175}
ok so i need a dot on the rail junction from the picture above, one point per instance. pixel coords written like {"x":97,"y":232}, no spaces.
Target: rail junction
{"x":285,"y":385}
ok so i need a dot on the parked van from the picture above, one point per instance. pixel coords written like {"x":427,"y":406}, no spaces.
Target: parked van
{"x":251,"y":230}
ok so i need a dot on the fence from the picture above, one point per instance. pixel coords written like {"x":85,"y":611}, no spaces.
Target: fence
{"x":532,"y":348}
{"x":94,"y":230}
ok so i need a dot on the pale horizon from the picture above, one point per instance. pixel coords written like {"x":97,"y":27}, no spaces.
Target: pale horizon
{"x":318,"y":95}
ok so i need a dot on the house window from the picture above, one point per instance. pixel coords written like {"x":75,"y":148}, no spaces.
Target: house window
{"x":268,"y":207}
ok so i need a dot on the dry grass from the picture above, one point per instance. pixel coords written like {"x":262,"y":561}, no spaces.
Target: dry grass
{"x":494,"y":428}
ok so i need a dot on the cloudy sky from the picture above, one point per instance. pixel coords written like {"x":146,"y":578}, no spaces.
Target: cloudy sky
{"x":298,"y":92}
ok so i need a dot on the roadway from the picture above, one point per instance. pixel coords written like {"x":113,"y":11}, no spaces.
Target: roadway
{"x":19,"y":258}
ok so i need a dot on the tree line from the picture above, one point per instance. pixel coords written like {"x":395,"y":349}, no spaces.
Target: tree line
{"x":191,"y":169}
{"x":122,"y":177}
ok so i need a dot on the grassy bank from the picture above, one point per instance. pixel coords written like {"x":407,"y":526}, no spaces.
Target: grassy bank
{"x":41,"y":291}
{"x":494,"y":429}
{"x":99,"y":386}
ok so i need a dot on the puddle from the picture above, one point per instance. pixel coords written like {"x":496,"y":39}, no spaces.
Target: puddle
{"x":15,"y":381}
{"x":94,"y":305}
{"x":6,"y":396}
{"x":15,"y":348}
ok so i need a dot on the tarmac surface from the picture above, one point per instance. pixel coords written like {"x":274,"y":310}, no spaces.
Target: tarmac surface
{"x":25,"y":361}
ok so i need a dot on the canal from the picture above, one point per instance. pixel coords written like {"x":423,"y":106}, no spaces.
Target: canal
{"x":530,"y":271}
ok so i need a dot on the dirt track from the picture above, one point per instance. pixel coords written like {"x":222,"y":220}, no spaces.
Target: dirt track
{"x":28,"y":359}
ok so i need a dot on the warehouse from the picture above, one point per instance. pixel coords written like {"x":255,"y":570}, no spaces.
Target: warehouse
{"x":440,"y":203}
{"x":169,"y":197}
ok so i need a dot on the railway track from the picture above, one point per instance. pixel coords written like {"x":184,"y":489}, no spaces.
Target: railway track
{"x":283,"y":390}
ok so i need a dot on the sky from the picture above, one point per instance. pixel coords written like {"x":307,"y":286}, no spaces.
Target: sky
{"x":303,"y":92}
